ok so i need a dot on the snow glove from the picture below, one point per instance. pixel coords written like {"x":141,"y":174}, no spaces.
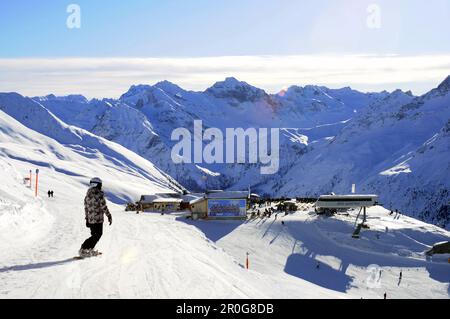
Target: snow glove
{"x":110,"y":219}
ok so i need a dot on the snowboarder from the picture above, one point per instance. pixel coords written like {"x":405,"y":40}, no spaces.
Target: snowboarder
{"x":94,"y":207}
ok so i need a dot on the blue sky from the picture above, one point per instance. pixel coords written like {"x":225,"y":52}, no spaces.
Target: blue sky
{"x":204,"y":28}
{"x":219,"y":27}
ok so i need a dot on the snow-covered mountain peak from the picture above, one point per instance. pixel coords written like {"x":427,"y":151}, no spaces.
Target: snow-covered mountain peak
{"x":235,"y":89}
{"x":169,"y":87}
{"x":141,"y":95}
{"x":400,"y":92}
{"x":10,"y":95}
{"x":77,"y":98}
{"x":231,"y":82}
{"x":396,"y":98}
{"x":136,"y":90}
{"x":308,"y":91}
{"x":444,"y":87}
{"x":442,"y":90}
{"x":370,"y":131}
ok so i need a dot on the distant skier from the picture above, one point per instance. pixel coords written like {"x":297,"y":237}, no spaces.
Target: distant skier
{"x":94,"y":207}
{"x":385,"y":296}
{"x":49,"y":194}
{"x":52,"y":193}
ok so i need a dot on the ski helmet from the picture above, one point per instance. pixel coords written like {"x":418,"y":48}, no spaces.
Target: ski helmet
{"x":96,"y":182}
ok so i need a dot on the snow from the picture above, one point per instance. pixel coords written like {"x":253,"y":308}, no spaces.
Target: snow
{"x":206,"y":171}
{"x":402,"y":168}
{"x":155,"y":256}
{"x":395,"y":145}
{"x":324,"y":144}
{"x":305,"y":239}
{"x":147,"y":254}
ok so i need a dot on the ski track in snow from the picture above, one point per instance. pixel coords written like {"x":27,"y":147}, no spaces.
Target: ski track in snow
{"x":153,"y":256}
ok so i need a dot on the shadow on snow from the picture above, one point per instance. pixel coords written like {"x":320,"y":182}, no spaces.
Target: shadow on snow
{"x":41,"y":265}
{"x":314,"y":242}
{"x":213,"y":230}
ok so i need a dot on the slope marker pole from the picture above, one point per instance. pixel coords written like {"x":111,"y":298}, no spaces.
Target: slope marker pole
{"x":37,"y":179}
{"x":247,"y":263}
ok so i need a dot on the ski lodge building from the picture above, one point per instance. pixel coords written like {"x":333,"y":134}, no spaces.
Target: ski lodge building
{"x":210,"y":205}
{"x":220,"y":205}
{"x":160,"y":202}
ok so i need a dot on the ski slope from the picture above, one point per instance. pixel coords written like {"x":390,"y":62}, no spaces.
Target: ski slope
{"x":393,"y":244}
{"x":154,"y":256}
{"x":144,"y":256}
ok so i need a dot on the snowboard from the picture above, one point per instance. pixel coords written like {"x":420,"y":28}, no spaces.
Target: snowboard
{"x":93,"y":255}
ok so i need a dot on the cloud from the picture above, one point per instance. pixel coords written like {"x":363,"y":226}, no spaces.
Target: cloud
{"x":110,"y":77}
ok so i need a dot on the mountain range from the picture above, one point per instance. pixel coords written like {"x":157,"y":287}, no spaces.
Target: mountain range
{"x":393,"y":144}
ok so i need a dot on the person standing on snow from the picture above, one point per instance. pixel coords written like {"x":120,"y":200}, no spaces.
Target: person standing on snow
{"x":94,"y":207}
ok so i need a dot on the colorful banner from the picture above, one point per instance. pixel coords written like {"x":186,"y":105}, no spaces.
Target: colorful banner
{"x":227,"y":207}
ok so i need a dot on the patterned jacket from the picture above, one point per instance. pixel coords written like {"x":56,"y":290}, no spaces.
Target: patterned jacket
{"x":95,"y":206}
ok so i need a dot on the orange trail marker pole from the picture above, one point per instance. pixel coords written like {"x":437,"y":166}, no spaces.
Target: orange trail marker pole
{"x":37,"y":179}
{"x":247,"y":263}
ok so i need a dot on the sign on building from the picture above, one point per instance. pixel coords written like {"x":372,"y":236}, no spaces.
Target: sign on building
{"x":227,"y":207}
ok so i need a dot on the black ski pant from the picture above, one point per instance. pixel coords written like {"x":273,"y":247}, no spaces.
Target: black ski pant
{"x":96,"y":234}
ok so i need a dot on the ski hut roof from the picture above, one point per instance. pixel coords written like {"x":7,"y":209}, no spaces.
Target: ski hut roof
{"x":147,"y":199}
{"x":228,"y":194}
{"x":197,"y":200}
{"x":167,"y":200}
{"x":192,"y":196}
